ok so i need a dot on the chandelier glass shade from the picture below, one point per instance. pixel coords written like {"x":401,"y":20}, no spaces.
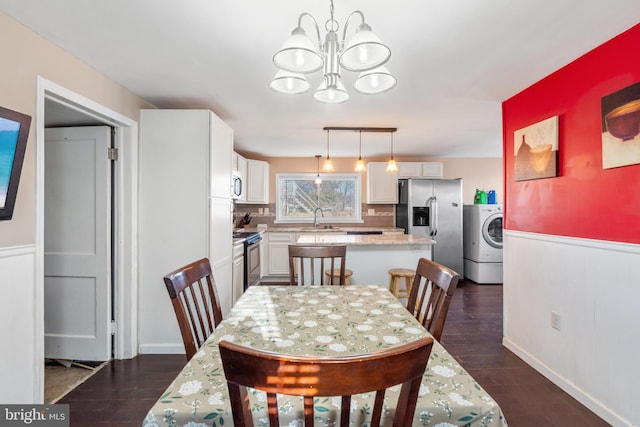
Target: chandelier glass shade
{"x":288,"y":82}
{"x":363,"y":53}
{"x":375,"y":81}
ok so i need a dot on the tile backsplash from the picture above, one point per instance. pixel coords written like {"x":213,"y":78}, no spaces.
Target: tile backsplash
{"x":372,"y":215}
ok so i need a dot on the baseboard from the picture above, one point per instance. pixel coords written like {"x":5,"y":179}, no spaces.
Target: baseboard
{"x":274,"y":280}
{"x":161,"y":349}
{"x":580,"y":395}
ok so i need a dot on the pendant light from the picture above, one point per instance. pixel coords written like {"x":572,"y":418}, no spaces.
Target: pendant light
{"x":360,"y":164}
{"x":318,"y":180}
{"x":391,"y":165}
{"x":328,"y":164}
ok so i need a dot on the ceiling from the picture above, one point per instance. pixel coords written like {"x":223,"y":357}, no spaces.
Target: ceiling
{"x":455,"y":61}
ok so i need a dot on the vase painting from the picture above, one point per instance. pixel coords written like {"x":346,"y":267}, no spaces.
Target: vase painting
{"x":536,"y":150}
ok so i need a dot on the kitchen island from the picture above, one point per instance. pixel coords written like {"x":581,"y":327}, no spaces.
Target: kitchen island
{"x":371,"y":256}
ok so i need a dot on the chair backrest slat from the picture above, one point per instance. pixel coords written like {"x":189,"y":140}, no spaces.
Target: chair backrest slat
{"x":303,"y":259}
{"x":310,"y":377}
{"x":431,"y":292}
{"x":195,"y":301}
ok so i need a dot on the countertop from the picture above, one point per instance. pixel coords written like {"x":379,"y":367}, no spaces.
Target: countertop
{"x":362,"y":240}
{"x":321,"y":229}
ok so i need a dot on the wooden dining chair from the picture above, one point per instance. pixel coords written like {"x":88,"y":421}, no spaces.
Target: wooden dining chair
{"x":310,"y":262}
{"x":430,"y":296}
{"x":311,"y":377}
{"x":195,"y":300}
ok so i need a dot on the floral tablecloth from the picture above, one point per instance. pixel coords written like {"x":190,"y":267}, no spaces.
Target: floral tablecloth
{"x":321,"y":321}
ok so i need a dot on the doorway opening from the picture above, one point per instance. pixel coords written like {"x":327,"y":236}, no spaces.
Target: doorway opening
{"x":51,"y":100}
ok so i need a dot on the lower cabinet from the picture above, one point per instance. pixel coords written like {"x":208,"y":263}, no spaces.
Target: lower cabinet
{"x":238,"y":272}
{"x":277,"y":262}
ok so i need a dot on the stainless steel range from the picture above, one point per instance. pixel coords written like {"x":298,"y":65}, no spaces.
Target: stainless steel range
{"x":252,"y":241}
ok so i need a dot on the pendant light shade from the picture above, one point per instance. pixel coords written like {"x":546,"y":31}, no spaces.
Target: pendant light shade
{"x":391,"y":165}
{"x":328,"y":164}
{"x":364,"y":51}
{"x":318,"y":180}
{"x":288,"y":82}
{"x":375,"y":81}
{"x":298,"y":54}
{"x":360,"y":164}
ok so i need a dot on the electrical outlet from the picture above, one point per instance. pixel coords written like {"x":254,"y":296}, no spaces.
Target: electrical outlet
{"x":555,"y":320}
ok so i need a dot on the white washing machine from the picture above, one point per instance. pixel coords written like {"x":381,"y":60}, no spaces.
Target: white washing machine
{"x":483,"y":243}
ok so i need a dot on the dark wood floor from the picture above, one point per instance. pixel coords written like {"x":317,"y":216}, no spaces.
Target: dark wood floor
{"x":121,"y":393}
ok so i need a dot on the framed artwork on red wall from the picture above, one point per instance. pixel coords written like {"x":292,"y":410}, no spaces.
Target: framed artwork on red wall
{"x":536,"y":150}
{"x":621,"y":127}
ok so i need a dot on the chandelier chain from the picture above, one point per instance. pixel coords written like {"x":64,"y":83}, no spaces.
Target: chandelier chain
{"x":331,"y":24}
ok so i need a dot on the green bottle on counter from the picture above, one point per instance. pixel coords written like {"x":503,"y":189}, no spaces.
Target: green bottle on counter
{"x":480,"y":198}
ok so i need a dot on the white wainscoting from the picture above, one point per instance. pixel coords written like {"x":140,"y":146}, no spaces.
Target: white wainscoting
{"x":594,"y":287}
{"x":20,"y":371}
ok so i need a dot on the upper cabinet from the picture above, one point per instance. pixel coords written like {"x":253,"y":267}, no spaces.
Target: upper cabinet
{"x":220,"y":152}
{"x":382,"y":186}
{"x":419,"y":169}
{"x":240,"y":170}
{"x":257,"y":182}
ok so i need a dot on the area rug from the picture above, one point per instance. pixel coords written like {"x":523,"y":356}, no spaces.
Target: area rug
{"x":62,"y":376}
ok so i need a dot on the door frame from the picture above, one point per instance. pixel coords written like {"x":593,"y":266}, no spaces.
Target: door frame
{"x":125,"y":220}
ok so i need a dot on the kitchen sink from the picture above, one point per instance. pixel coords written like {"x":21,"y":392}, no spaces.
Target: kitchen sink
{"x":321,"y":229}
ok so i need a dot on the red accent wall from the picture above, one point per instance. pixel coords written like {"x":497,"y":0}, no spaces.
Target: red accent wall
{"x":584,"y":200}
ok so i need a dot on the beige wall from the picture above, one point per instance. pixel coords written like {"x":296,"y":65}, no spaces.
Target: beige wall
{"x":25,"y":57}
{"x":482,"y":173}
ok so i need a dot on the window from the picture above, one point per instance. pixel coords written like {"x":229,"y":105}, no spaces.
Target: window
{"x":298,"y":196}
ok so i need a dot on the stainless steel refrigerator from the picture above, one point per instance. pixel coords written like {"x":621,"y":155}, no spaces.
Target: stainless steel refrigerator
{"x":432,"y":208}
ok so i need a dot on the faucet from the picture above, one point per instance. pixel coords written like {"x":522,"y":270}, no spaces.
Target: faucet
{"x":315,"y":216}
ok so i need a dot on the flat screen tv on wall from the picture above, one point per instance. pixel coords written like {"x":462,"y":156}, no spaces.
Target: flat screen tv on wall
{"x":14,"y":130}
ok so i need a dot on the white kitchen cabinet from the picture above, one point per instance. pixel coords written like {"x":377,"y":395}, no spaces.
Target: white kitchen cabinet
{"x":257,"y":182}
{"x":382,"y":186}
{"x":239,"y":164}
{"x":277,"y":259}
{"x":234,"y":161}
{"x":420,"y":169}
{"x":238,"y":271}
{"x":185,"y":211}
{"x":242,"y":173}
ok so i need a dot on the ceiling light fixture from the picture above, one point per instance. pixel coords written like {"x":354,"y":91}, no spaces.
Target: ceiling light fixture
{"x":318,"y":180}
{"x":392,"y":166}
{"x":328,"y":164}
{"x":360,"y":164}
{"x":363,"y":53}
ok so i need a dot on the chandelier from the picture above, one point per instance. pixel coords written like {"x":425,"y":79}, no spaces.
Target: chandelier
{"x":363,"y":53}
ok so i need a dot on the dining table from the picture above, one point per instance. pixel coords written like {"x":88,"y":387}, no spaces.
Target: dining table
{"x":321,"y":321}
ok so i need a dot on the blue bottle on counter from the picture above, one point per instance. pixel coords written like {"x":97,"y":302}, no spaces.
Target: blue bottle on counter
{"x":491,"y":197}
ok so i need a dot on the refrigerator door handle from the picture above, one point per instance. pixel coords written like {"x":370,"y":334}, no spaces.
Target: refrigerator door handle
{"x":432,"y":204}
{"x":434,"y":211}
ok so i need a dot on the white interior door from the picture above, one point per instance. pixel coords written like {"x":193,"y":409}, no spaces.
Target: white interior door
{"x":77,"y":244}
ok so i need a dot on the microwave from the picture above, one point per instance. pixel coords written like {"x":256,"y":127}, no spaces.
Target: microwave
{"x":236,"y":187}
